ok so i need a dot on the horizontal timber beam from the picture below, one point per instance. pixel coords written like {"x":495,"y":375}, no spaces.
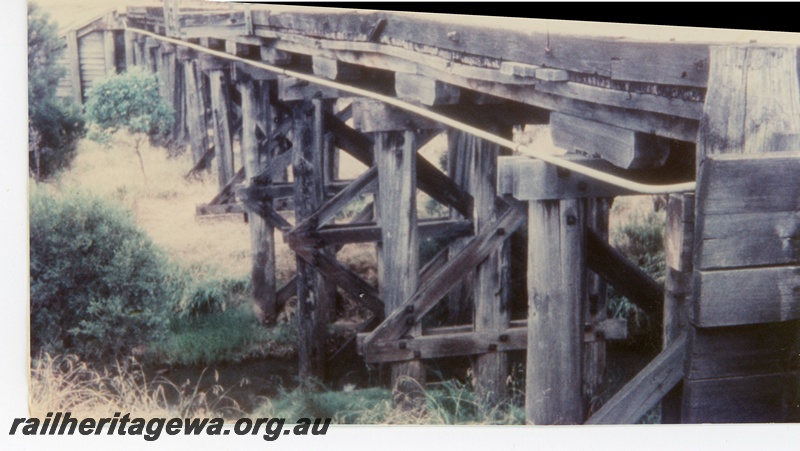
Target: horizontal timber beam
{"x":365,"y":233}
{"x":219,"y":209}
{"x":215,"y":24}
{"x":526,"y":178}
{"x":425,"y":90}
{"x":451,"y":345}
{"x":678,"y":63}
{"x":333,"y":69}
{"x":628,"y":149}
{"x":456,"y":341}
{"x":291,"y":89}
{"x":596,"y":115}
{"x":371,"y":116}
{"x":726,"y":183}
{"x":746,"y":296}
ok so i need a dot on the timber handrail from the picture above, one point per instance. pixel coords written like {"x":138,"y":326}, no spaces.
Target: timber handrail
{"x":552,"y":159}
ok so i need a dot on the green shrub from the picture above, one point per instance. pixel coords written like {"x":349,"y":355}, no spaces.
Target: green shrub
{"x":99,"y":287}
{"x":54,"y":125}
{"x":232,"y":336}
{"x":208,"y":295}
{"x":132,"y":102}
{"x":642,"y":241}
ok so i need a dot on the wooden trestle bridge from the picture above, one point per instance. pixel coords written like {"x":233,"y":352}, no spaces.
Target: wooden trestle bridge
{"x":635,"y":116}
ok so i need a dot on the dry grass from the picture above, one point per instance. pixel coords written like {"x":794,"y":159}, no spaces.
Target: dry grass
{"x":630,"y":210}
{"x":65,"y":384}
{"x":165,"y":206}
{"x":213,"y":246}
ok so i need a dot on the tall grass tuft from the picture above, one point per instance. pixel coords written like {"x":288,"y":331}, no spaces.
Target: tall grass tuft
{"x":449,"y":402}
{"x":66,"y":384}
{"x":230,"y":336}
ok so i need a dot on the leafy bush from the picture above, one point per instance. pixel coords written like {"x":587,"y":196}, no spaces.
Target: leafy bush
{"x":99,"y":287}
{"x":54,"y":125}
{"x":130,"y":101}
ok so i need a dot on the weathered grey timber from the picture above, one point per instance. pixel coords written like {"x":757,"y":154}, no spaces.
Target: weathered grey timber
{"x":257,"y":121}
{"x":557,"y":289}
{"x":315,"y":295}
{"x":752,"y":110}
{"x":491,"y":283}
{"x":223,"y":139}
{"x":638,"y":109}
{"x":678,"y":256}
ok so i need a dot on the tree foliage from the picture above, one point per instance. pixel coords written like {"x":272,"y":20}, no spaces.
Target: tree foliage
{"x":99,"y":286}
{"x":55,"y":125}
{"x":130,"y":101}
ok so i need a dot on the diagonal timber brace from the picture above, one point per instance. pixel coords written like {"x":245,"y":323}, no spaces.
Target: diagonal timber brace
{"x":446,"y":277}
{"x":328,"y":210}
{"x":227,"y":194}
{"x":339,"y":274}
{"x":429,"y":178}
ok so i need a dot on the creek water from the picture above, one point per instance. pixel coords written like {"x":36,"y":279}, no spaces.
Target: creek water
{"x":244,"y":383}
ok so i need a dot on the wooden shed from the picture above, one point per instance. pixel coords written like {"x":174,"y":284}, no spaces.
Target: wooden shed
{"x":94,"y":50}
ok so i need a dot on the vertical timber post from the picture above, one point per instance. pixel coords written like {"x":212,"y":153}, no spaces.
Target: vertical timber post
{"x":315,"y":295}
{"x":195,"y":109}
{"x":152,"y":51}
{"x":152,"y":54}
{"x":556,"y":290}
{"x":256,"y":116}
{"x":460,"y":301}
{"x":138,"y":54}
{"x":678,"y":251}
{"x":395,"y":153}
{"x":178,"y":92}
{"x":74,"y":57}
{"x":742,"y":372}
{"x":174,"y":85}
{"x":394,"y":136}
{"x":171,"y":18}
{"x":474,"y":163}
{"x":594,"y":351}
{"x":166,"y":72}
{"x":220,"y":107}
